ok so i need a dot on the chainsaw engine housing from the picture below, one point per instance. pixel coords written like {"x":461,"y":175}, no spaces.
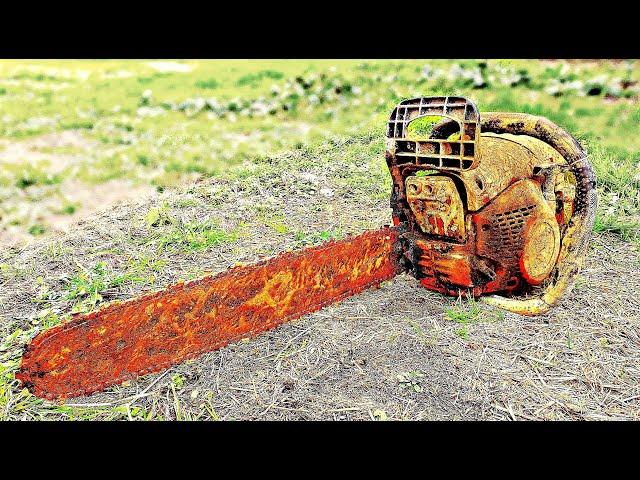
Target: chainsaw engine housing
{"x":482,"y":207}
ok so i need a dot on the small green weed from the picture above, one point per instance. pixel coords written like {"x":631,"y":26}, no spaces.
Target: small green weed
{"x":411,"y":380}
{"x":469,"y":312}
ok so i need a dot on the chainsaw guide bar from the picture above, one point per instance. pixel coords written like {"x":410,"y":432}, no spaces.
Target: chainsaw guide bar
{"x":151,"y":333}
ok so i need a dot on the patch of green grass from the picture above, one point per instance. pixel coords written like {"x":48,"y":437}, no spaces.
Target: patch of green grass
{"x":464,"y":313}
{"x":86,"y":288}
{"x":187,"y":202}
{"x":68,"y":208}
{"x":627,"y":227}
{"x":37,"y":229}
{"x":268,"y":213}
{"x":159,"y":216}
{"x":277,"y":222}
{"x":193,"y":236}
{"x":422,"y":127}
{"x":78,"y":124}
{"x":31,"y":175}
{"x":313,"y":238}
{"x":142,"y":269}
{"x":469,"y":312}
{"x":35,"y":76}
{"x":208,"y":84}
{"x":252,"y":79}
{"x":178,"y":381}
{"x":462,"y":332}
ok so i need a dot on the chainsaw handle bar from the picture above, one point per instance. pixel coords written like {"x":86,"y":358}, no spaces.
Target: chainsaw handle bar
{"x":575,"y":242}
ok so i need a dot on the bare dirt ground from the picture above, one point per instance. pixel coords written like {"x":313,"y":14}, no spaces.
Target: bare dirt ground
{"x":42,"y":203}
{"x":352,"y":360}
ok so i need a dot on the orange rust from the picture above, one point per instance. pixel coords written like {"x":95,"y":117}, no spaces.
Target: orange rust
{"x":486,"y":214}
{"x":503,"y":211}
{"x":155,"y":331}
{"x":436,"y":205}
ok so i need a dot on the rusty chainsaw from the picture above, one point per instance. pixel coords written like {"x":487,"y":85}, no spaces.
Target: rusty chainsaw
{"x":501,"y":208}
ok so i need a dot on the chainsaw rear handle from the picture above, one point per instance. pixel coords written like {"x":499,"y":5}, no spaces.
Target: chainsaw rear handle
{"x":574,"y":244}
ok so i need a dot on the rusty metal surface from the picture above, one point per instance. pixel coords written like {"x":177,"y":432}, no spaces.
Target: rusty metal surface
{"x":155,"y":331}
{"x":504,"y":235}
{"x":436,"y":205}
{"x":504,"y":159}
{"x":507,"y":211}
{"x":457,"y":152}
{"x":576,"y":232}
{"x":527,"y":193}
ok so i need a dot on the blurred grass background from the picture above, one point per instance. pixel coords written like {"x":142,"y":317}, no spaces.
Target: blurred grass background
{"x":79,"y":135}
